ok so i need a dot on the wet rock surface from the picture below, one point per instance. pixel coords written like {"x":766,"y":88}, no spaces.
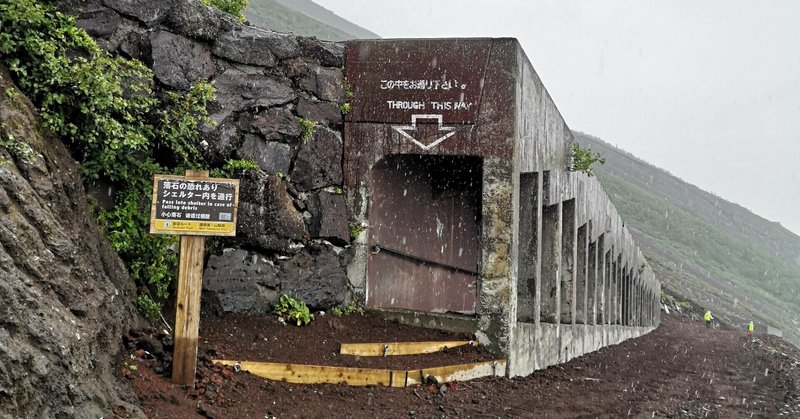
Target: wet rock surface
{"x":66,"y":296}
{"x":242,"y":282}
{"x":266,"y":83}
{"x":180,"y":62}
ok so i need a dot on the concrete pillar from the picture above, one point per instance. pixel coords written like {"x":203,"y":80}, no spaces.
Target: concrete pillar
{"x":582,"y":286}
{"x":529,"y":245}
{"x":569,"y":269}
{"x":613,"y":311}
{"x":592,"y":283}
{"x":637,"y":302}
{"x":625,"y":297}
{"x":637,"y":299}
{"x":628,"y":317}
{"x":610,"y":268}
{"x":602,"y":275}
{"x":621,"y":267}
{"x":551,"y":264}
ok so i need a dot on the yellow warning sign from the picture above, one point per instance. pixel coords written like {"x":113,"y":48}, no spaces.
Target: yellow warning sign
{"x":194,"y":206}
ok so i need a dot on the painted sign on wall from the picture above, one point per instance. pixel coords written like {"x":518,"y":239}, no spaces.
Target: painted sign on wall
{"x":393,"y":81}
{"x":194,"y":206}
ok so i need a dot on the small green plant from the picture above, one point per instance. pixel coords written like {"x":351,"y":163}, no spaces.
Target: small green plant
{"x":232,"y":7}
{"x":356,"y":229}
{"x":234,"y":168}
{"x":348,"y":90}
{"x":18,"y":149}
{"x":345,"y":108}
{"x":149,"y":308}
{"x":12,"y":93}
{"x":349,"y":310}
{"x":291,"y":310}
{"x":307,"y":127}
{"x":583,"y":159}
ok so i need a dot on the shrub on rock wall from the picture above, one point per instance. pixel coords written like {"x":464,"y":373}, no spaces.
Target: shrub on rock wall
{"x":278,"y":126}
{"x":105,"y":109}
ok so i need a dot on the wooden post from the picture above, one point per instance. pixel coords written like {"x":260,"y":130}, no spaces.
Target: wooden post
{"x":187,"y":315}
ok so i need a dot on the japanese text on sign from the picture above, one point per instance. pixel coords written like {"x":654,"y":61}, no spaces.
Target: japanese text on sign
{"x":202,"y":206}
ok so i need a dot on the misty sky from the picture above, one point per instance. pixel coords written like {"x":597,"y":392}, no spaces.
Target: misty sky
{"x":708,"y":90}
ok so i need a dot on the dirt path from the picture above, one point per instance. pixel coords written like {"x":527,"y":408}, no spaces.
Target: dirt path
{"x":681,"y":369}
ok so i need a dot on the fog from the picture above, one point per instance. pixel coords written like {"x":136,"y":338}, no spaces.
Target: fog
{"x":709,"y":91}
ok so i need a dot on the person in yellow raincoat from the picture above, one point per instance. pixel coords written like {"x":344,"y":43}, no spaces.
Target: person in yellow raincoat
{"x":707,"y":317}
{"x":750,"y":327}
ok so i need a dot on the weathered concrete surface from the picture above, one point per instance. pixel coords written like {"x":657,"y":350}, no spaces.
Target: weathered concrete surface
{"x":559,"y":274}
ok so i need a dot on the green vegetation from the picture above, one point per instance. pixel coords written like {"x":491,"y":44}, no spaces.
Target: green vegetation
{"x":307,"y":127}
{"x":232,"y":7}
{"x":234,"y":168}
{"x":345,"y":108}
{"x":356,"y":229}
{"x":348,"y":90}
{"x":724,"y":256}
{"x":582,"y":159}
{"x":105,"y":110}
{"x":291,"y":310}
{"x":18,"y":149}
{"x":349,"y":310}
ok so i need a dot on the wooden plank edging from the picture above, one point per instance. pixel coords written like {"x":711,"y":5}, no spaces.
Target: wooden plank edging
{"x":322,"y":374}
{"x":400,"y":348}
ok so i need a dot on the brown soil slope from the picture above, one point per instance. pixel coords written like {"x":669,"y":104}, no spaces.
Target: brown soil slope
{"x":681,"y":369}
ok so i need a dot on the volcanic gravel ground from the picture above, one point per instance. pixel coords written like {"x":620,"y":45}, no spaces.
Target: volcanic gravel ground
{"x":682,"y":369}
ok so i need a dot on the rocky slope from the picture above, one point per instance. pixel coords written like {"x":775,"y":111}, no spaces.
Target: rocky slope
{"x":66,"y":297}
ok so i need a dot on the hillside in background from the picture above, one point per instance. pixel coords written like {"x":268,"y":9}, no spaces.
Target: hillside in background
{"x":303,"y":17}
{"x":703,"y":248}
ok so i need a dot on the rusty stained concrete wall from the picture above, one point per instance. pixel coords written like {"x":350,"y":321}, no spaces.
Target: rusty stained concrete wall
{"x":530,"y":307}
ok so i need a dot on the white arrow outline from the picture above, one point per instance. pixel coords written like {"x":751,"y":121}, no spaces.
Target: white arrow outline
{"x":413,"y":126}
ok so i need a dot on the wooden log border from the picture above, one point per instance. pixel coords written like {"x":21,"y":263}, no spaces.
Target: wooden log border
{"x":321,"y":374}
{"x":400,"y":348}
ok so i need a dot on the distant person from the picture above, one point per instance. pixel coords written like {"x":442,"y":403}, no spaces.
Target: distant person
{"x":750,"y":327}
{"x":707,"y":317}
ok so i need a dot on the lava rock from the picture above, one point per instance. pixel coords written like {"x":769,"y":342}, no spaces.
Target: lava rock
{"x":326,"y":113}
{"x":325,"y":83}
{"x":99,"y":23}
{"x":180,"y":62}
{"x":271,"y":156}
{"x":317,"y":277}
{"x":243,"y":282}
{"x":196,"y":20}
{"x":238,"y":90}
{"x":267,"y":218}
{"x":319,"y":161}
{"x":329,"y":217}
{"x":275,"y":123}
{"x":256,"y":46}
{"x":329,"y":54}
{"x":149,"y":12}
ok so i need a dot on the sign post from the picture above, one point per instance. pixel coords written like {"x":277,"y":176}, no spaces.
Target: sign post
{"x":192,"y":206}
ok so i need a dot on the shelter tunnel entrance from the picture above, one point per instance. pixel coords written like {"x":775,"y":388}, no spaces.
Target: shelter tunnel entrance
{"x":425,"y":228}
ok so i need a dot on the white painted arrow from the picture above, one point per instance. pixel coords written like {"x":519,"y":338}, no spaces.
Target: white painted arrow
{"x":413,"y":127}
